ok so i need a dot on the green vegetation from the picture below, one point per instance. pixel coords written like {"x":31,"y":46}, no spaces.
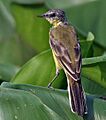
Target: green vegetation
{"x":27,"y":66}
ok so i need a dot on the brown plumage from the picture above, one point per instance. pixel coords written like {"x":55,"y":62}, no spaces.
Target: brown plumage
{"x":66,"y":49}
{"x":67,"y":56}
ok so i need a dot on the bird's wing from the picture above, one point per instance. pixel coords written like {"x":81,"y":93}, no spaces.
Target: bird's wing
{"x":64,"y":58}
{"x":78,"y":59}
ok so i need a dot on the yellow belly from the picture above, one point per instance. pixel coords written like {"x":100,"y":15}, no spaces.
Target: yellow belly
{"x":58,"y":66}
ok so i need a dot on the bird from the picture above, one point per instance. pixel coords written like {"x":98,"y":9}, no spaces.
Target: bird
{"x":66,"y":51}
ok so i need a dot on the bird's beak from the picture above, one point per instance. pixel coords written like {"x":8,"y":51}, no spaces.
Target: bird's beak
{"x":41,"y":16}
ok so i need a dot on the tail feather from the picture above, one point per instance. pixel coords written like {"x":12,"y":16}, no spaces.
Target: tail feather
{"x":76,"y":97}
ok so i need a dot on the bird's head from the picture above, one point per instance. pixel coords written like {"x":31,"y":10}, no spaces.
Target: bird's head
{"x":54,"y":16}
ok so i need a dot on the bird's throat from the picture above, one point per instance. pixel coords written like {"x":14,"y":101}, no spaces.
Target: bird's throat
{"x":56,"y":23}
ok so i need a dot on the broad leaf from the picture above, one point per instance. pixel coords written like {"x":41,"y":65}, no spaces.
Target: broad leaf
{"x":7,"y":22}
{"x":22,"y":105}
{"x":68,"y":3}
{"x":96,"y":73}
{"x":12,"y":50}
{"x":93,"y":87}
{"x":86,"y":45}
{"x":28,"y":2}
{"x":45,"y":103}
{"x":33,"y":30}
{"x":98,"y":50}
{"x":7,"y":71}
{"x":94,"y":69}
{"x":40,"y":67}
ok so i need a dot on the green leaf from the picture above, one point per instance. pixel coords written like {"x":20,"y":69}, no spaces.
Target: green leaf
{"x":94,"y":70}
{"x":23,"y":105}
{"x":98,"y":50}
{"x":68,"y":3}
{"x":92,"y":18}
{"x":33,"y":30}
{"x":12,"y":50}
{"x":86,"y":48}
{"x":40,"y":70}
{"x":28,"y":2}
{"x":96,"y":73}
{"x":90,"y":37}
{"x":93,"y":87}
{"x":7,"y":71}
{"x":20,"y":100}
{"x":7,"y":23}
{"x":87,"y":61}
{"x":10,"y":47}
{"x":93,"y":75}
{"x":86,"y":45}
{"x":100,"y":30}
{"x":84,"y":21}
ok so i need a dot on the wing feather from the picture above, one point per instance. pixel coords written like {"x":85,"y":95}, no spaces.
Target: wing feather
{"x":78,"y":59}
{"x":64,"y":59}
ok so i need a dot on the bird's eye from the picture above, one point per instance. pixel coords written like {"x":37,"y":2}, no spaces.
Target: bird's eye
{"x":52,"y":15}
{"x":46,"y":15}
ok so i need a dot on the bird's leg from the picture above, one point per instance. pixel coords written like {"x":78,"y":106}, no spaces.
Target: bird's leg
{"x":56,"y":75}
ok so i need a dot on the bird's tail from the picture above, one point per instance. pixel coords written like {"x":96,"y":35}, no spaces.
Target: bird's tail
{"x":76,"y":96}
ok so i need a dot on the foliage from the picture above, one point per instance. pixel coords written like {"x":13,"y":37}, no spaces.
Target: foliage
{"x":25,"y":58}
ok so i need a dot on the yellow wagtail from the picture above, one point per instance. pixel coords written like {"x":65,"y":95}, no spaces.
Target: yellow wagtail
{"x":67,"y":56}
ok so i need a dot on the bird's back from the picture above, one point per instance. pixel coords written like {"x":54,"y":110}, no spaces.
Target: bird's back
{"x":67,"y":35}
